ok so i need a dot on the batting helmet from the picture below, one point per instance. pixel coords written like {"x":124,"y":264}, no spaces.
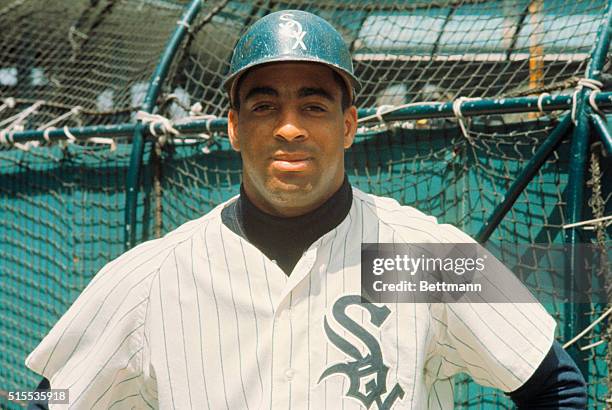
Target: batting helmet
{"x":287,"y":36}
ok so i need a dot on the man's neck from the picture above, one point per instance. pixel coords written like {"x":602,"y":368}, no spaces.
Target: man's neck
{"x":284,"y":240}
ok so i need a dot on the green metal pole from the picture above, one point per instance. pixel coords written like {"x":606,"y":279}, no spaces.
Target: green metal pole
{"x":161,"y":71}
{"x":521,"y":181}
{"x":576,"y":313}
{"x":480,"y":107}
{"x":604,"y":132}
{"x":470,"y":108}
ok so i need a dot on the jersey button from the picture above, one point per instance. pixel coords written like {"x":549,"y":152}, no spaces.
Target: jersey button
{"x":289,"y":374}
{"x":322,"y":268}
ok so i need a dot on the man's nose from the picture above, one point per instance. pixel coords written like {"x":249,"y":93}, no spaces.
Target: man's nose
{"x":289,"y":126}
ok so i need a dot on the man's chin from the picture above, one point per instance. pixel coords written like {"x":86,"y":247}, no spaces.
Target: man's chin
{"x":289,"y":187}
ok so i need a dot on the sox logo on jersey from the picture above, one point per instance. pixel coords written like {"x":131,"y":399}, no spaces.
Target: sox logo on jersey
{"x":363,"y":366}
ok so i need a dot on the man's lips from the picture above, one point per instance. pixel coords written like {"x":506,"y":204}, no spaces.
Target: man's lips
{"x":291,"y":161}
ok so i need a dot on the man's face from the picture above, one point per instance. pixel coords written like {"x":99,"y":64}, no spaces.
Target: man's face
{"x":291,"y":132}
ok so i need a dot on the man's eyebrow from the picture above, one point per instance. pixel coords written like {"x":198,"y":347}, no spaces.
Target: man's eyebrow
{"x":261,"y":91}
{"x":308,"y":91}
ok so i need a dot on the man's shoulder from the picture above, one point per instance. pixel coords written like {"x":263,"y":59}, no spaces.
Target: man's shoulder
{"x":390,"y":209}
{"x":408,"y":222}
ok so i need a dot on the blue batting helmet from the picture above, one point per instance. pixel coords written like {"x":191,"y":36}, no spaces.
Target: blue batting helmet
{"x":291,"y":36}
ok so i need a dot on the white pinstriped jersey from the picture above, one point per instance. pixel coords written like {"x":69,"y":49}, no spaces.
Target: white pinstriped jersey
{"x":202,"y":319}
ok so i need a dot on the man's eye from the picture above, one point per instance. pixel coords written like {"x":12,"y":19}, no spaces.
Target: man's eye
{"x":263,"y":107}
{"x":315,"y":108}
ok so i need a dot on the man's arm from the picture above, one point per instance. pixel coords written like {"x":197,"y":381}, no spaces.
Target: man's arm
{"x":556,"y":384}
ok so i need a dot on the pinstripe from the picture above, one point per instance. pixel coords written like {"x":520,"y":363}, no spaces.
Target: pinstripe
{"x":331,"y":251}
{"x":484,"y":345}
{"x":77,"y":314}
{"x":526,"y":317}
{"x":212,"y":288}
{"x":143,"y":398}
{"x":100,"y":341}
{"x":105,"y":298}
{"x":180,"y":305}
{"x":248,"y":276}
{"x":416,"y":352}
{"x":263,"y":262}
{"x":229,"y":278}
{"x":397,"y":313}
{"x":127,"y":337}
{"x":308,"y":334}
{"x":272,"y":336}
{"x":502,"y":339}
{"x":113,"y":382}
{"x":346,"y":241}
{"x":290,"y":341}
{"x":161,"y":308}
{"x":434,"y":386}
{"x":122,"y":399}
{"x":390,"y":225}
{"x":463,"y":368}
{"x":197,"y":294}
{"x":469,"y":347}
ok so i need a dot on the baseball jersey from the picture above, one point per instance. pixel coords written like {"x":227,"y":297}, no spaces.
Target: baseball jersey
{"x":201,"y":319}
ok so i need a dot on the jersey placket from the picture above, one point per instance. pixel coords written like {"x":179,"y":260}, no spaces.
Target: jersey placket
{"x":289,"y":357}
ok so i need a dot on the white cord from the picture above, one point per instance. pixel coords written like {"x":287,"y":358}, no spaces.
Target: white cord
{"x":46,"y":133}
{"x":460,"y":118}
{"x":68,"y":134}
{"x":73,"y":111}
{"x":154,"y":120}
{"x":589,"y":327}
{"x":589,"y":83}
{"x":106,"y":141}
{"x":589,"y":222}
{"x":386,"y":109}
{"x":540,"y":101}
{"x":18,"y":118}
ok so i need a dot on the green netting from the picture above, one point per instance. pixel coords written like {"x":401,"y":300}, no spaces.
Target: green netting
{"x":62,"y":207}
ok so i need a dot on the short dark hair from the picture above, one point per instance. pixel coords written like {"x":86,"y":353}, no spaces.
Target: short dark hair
{"x":345,"y":95}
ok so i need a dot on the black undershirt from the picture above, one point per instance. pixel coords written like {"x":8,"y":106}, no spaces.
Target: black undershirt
{"x":284,"y":240}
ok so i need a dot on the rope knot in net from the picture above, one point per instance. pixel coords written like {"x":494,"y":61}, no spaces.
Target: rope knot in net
{"x":195,"y":114}
{"x":593,"y":85}
{"x":184,"y":24}
{"x":6,"y":138}
{"x":16,"y":120}
{"x":461,"y":118}
{"x":155,"y":120}
{"x":8,"y":103}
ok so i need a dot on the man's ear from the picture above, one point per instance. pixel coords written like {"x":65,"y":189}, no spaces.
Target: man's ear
{"x":350,"y":126}
{"x":232,"y":129}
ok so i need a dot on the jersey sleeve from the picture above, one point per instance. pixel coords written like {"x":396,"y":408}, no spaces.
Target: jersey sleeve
{"x":97,"y":350}
{"x":499,"y":344}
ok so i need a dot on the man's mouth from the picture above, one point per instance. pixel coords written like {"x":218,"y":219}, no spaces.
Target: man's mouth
{"x":291,"y":161}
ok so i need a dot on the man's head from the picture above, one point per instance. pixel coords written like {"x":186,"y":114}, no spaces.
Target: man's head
{"x":291,"y":87}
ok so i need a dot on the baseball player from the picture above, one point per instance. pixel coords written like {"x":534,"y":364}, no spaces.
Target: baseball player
{"x":256,"y":305}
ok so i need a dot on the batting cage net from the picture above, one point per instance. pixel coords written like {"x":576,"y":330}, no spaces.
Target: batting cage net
{"x":81,"y":67}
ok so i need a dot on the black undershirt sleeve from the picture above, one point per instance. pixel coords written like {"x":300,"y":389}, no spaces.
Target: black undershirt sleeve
{"x":556,"y":384}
